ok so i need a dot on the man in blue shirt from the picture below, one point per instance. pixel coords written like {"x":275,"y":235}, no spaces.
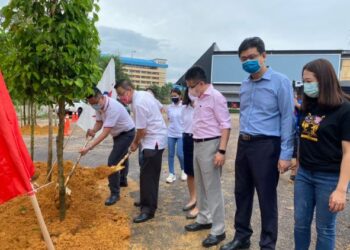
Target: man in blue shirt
{"x":265,"y":144}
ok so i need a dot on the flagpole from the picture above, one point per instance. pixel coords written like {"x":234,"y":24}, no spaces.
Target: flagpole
{"x":41,"y":221}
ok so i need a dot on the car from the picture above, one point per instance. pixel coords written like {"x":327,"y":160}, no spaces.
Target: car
{"x":76,"y":107}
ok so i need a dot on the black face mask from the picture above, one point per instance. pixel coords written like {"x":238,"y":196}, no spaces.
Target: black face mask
{"x":175,"y":100}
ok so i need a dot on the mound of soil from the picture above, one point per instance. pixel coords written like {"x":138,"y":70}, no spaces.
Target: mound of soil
{"x":88,"y":223}
{"x":38,"y":130}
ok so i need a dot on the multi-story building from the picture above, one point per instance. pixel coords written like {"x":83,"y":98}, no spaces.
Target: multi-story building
{"x":144,"y":73}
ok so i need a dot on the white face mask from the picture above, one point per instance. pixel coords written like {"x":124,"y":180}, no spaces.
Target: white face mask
{"x":192,"y":92}
{"x":192,"y":98}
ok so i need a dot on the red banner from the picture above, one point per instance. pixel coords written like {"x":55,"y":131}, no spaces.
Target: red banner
{"x":16,"y":166}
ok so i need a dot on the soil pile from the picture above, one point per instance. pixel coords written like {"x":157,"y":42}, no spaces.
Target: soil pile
{"x":88,"y":224}
{"x":38,"y":130}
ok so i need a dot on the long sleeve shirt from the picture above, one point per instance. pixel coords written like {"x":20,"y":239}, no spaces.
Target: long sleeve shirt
{"x":266,"y":108}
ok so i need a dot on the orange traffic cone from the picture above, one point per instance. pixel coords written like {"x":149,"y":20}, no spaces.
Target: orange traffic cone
{"x":67,"y":130}
{"x":74,"y":117}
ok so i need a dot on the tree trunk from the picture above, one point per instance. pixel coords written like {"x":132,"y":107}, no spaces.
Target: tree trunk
{"x":24,"y":113}
{"x":32,"y":127}
{"x":59,"y":149}
{"x":49,"y":152}
{"x":35,"y":111}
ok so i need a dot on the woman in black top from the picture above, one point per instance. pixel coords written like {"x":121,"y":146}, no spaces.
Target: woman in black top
{"x":324,"y":153}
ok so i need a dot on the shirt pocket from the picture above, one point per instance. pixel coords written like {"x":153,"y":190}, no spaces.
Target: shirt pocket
{"x":265,"y":99}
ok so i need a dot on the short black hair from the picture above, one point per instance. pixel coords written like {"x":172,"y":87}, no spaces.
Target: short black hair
{"x":124,"y":83}
{"x":196,"y":73}
{"x":252,"y":42}
{"x":97,"y":92}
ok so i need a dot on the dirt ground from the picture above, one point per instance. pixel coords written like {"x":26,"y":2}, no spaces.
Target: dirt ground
{"x":88,"y":224}
{"x":166,"y":230}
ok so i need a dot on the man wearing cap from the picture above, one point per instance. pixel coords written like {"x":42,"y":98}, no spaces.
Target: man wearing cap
{"x":113,"y":119}
{"x":151,"y":133}
{"x":211,"y":131}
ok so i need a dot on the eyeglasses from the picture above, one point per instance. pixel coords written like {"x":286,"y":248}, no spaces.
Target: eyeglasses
{"x":193,"y":86}
{"x":250,"y":57}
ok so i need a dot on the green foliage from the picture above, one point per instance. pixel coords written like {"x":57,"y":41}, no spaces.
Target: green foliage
{"x":55,"y":48}
{"x":103,"y":61}
{"x":162,"y":93}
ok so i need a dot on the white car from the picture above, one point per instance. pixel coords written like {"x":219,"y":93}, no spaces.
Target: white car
{"x":76,"y":107}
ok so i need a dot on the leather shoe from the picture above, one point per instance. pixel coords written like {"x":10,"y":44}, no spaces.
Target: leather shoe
{"x":213,"y":240}
{"x":137,"y":204}
{"x":112,"y":199}
{"x":197,"y":227}
{"x":143,"y":217}
{"x":235,"y":245}
{"x":124,"y":184}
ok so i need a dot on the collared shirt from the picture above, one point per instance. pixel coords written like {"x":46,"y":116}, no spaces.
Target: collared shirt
{"x":175,"y":128}
{"x":210,"y":114}
{"x":266,"y":108}
{"x":187,"y":117}
{"x":115,"y":116}
{"x":147,"y":116}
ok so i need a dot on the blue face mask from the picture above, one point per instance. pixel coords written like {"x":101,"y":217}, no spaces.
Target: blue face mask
{"x":96,"y":107}
{"x":311,"y":89}
{"x":251,"y":66}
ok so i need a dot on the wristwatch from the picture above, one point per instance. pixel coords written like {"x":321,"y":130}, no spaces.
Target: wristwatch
{"x":221,"y":151}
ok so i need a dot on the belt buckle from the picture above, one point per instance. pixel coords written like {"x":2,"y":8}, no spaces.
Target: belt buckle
{"x":246,"y":137}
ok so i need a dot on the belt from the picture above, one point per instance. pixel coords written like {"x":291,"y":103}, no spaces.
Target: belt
{"x":188,"y":134}
{"x":206,"y":139}
{"x":247,"y":137}
{"x":125,"y":132}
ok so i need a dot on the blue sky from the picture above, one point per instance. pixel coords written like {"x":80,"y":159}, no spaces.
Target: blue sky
{"x":180,"y":31}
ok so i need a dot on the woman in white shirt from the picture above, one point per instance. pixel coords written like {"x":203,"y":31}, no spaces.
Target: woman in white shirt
{"x":175,"y":130}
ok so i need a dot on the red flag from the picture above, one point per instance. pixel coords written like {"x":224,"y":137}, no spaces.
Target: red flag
{"x":16,"y":166}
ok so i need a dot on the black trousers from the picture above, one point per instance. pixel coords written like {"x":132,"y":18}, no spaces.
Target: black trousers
{"x":121,"y":144}
{"x":149,"y":179}
{"x":256,"y":168}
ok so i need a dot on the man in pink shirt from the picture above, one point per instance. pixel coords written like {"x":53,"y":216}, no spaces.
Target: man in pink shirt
{"x":211,"y":131}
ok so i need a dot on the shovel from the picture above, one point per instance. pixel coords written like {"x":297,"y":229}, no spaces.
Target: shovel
{"x":68,"y":191}
{"x":116,"y":168}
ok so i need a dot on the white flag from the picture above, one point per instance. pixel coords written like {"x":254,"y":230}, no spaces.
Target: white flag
{"x":107,"y":82}
{"x":87,"y":118}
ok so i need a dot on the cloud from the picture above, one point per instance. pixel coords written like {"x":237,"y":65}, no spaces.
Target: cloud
{"x":123,"y":41}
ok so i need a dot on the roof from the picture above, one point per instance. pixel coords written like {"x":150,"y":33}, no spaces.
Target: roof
{"x":142,"y":62}
{"x":205,"y":62}
{"x":271,"y":52}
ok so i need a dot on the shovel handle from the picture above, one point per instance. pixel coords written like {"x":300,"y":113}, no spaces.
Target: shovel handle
{"x":76,"y":163}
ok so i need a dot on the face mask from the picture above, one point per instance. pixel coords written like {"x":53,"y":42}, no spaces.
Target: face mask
{"x":125,"y":99}
{"x":251,"y":66}
{"x":192,"y":98}
{"x":193,"y":92}
{"x":175,"y":99}
{"x":311,"y":89}
{"x":96,"y":107}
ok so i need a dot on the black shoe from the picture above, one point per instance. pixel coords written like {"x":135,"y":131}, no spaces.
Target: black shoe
{"x":213,"y":240}
{"x":137,"y":204}
{"x":112,"y":199}
{"x":197,"y":227}
{"x":124,"y":184}
{"x":143,"y":217}
{"x":235,"y":245}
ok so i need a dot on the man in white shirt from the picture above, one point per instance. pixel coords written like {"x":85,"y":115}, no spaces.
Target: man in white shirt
{"x":115,"y":120}
{"x":151,"y":133}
